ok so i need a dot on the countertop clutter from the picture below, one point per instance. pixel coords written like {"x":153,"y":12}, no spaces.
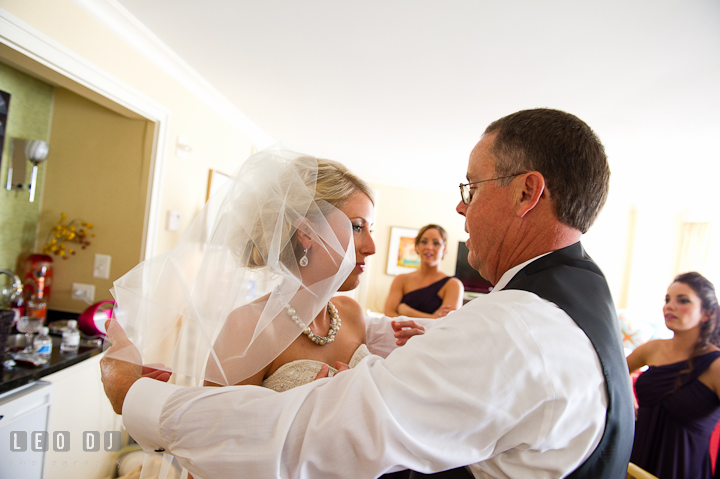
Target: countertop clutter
{"x":22,"y":373}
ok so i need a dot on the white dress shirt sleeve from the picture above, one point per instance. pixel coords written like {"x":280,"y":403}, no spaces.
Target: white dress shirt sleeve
{"x":153,"y":395}
{"x":505,"y":382}
{"x":381,"y":336}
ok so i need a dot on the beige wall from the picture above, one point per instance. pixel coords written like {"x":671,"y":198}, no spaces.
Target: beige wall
{"x":637,"y":247}
{"x":408,"y":208}
{"x":216,"y":142}
{"x":97,"y":172}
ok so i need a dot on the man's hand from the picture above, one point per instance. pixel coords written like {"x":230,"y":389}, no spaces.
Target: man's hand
{"x":118,"y":375}
{"x":405,"y":330}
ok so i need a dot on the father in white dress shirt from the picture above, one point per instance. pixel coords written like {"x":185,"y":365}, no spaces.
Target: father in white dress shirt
{"x":527,"y":381}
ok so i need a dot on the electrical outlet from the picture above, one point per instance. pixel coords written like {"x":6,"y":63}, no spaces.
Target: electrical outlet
{"x":83,"y":292}
{"x":101,"y":268}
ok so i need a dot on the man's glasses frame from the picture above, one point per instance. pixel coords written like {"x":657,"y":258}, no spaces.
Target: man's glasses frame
{"x":465,"y":187}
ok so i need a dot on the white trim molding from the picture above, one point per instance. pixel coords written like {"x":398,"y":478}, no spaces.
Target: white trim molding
{"x":30,"y":42}
{"x":122,"y":23}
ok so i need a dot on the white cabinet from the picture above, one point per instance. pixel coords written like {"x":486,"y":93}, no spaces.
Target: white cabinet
{"x":79,"y":405}
{"x":24,"y":411}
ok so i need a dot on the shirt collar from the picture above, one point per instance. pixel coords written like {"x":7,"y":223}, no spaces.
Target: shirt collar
{"x":509,"y":274}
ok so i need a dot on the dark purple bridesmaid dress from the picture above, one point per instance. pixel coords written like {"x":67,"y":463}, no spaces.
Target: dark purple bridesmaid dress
{"x":673,"y":428}
{"x":426,"y":300}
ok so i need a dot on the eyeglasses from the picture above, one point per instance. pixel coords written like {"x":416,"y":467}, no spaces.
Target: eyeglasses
{"x":465,"y":187}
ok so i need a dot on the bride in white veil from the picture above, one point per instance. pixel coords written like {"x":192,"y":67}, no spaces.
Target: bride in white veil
{"x":235,"y":302}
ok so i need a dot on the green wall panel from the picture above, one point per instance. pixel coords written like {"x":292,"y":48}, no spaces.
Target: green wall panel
{"x":28,"y":118}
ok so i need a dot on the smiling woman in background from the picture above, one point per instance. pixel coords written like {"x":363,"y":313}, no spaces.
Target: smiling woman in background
{"x":427,"y":292}
{"x":679,"y":394}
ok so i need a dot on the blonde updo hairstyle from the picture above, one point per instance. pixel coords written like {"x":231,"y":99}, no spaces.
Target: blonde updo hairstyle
{"x":328,"y":181}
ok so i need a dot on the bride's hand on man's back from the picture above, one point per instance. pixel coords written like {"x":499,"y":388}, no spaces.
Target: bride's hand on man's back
{"x":405,"y":330}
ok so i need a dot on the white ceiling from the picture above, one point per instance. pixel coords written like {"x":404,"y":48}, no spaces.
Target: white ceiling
{"x":401,"y":90}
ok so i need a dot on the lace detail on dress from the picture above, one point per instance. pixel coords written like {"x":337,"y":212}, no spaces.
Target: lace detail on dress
{"x":303,"y":371}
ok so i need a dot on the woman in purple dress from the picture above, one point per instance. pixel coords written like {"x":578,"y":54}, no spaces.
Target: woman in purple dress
{"x":679,"y":394}
{"x":427,"y":292}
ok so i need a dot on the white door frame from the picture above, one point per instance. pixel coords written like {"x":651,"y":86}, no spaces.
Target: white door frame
{"x":30,"y":42}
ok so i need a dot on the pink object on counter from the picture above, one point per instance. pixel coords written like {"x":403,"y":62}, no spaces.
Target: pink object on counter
{"x":92,"y":321}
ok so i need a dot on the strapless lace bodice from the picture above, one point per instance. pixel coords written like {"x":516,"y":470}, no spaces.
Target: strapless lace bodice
{"x":303,"y":371}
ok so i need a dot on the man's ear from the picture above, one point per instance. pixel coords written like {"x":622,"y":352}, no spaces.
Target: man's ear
{"x":532,"y":189}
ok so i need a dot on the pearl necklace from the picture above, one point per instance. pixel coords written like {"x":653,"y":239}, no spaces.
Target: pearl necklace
{"x":319,"y":340}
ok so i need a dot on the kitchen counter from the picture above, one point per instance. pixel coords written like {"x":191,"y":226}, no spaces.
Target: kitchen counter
{"x":23,"y":373}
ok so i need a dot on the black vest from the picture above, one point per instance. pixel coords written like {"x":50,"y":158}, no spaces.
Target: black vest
{"x":569,"y":278}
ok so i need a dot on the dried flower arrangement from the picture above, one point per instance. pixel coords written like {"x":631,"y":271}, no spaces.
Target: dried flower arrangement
{"x":76,"y":231}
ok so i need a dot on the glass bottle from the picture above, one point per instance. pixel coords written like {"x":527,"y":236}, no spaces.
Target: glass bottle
{"x":37,"y":265}
{"x":70,"y":338}
{"x":37,"y":307}
{"x":18,"y":306}
{"x":42,"y":344}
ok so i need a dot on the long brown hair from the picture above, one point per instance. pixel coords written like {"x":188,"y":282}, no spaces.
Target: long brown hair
{"x":710,"y":329}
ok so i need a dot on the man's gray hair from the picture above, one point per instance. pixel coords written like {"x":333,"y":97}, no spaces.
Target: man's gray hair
{"x":565,"y":150}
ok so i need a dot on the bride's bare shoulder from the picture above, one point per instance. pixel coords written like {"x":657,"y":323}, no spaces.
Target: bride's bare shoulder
{"x":239,"y":317}
{"x":349,"y":310}
{"x":346,"y":303}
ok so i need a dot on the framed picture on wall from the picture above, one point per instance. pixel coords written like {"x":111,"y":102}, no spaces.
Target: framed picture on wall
{"x":216,"y":180}
{"x":4,"y":108}
{"x":402,"y":257}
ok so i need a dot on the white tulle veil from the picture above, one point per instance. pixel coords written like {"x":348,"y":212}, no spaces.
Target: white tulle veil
{"x":213,"y":308}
